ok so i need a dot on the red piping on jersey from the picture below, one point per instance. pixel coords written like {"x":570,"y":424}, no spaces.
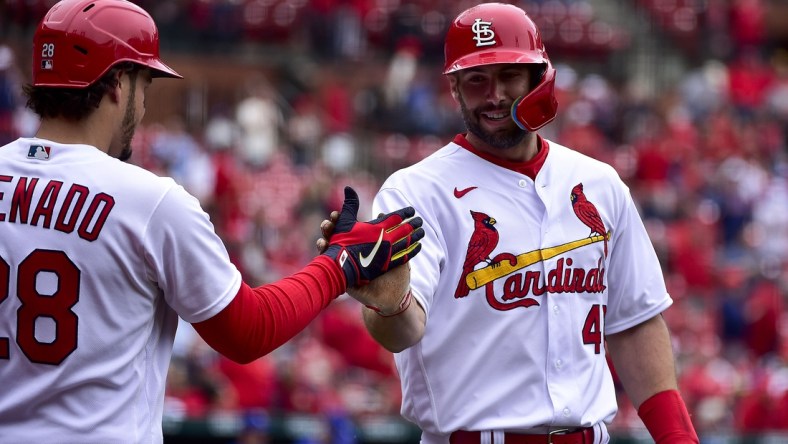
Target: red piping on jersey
{"x":259,"y":320}
{"x":530,"y":167}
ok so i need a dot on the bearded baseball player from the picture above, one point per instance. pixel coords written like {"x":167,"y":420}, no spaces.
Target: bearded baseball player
{"x":534,"y":264}
{"x":98,"y":257}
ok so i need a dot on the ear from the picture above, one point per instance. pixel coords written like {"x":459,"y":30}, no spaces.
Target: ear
{"x":454,"y":87}
{"x":116,"y":92}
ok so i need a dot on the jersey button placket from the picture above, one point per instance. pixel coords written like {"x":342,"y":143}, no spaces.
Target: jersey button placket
{"x":556,"y":326}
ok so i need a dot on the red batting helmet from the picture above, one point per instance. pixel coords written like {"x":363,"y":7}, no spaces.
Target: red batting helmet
{"x":493,"y":33}
{"x":78,"y":41}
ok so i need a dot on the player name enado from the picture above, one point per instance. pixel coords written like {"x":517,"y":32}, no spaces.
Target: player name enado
{"x":78,"y":211}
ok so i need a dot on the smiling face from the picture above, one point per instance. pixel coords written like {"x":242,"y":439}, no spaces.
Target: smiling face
{"x":485,"y":94}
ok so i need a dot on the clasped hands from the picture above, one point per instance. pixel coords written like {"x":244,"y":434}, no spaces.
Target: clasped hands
{"x":372,"y":254}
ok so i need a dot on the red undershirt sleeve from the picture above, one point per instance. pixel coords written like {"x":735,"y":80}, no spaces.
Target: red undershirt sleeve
{"x":259,"y":320}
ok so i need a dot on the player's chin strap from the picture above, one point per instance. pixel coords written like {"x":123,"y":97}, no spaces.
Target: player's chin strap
{"x":666,"y":417}
{"x":403,"y":305}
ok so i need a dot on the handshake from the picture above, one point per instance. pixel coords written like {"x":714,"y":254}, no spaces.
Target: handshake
{"x":367,"y":250}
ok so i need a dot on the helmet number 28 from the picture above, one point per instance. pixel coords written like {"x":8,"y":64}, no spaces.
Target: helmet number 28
{"x":37,"y":306}
{"x":48,"y":50}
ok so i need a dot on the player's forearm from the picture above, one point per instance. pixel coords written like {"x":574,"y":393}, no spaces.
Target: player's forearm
{"x":396,"y":333}
{"x":643,"y":359}
{"x":261,"y":319}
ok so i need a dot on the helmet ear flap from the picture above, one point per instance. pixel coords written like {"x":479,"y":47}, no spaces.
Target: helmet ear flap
{"x":539,"y":107}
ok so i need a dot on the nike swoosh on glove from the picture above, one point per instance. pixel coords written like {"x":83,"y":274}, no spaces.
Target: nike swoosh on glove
{"x":365,"y":250}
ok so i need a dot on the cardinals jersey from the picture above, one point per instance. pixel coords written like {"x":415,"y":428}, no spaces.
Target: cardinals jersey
{"x":521,"y":280}
{"x":97,"y":260}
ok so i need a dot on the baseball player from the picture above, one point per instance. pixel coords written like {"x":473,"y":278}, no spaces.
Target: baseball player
{"x":535,"y":262}
{"x":98,"y":257}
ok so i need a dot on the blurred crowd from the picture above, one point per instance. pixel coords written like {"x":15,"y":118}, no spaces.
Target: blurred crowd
{"x":706,"y":160}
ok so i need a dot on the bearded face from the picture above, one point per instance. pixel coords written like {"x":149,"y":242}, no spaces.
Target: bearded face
{"x":503,"y":138}
{"x":128,"y":127}
{"x":132,"y":114}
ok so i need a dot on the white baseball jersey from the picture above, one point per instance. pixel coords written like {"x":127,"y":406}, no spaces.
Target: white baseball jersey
{"x":97,"y":260}
{"x":518,"y":290}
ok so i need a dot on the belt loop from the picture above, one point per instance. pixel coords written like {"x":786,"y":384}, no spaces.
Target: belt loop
{"x":596,"y":433}
{"x":554,"y":432}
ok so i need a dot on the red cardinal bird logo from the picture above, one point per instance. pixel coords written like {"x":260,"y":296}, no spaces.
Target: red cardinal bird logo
{"x":587,"y":213}
{"x":483,"y":241}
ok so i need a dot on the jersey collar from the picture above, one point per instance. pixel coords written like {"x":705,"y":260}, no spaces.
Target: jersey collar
{"x":530,"y":167}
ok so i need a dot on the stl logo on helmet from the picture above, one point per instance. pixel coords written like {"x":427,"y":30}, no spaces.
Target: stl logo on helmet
{"x":483,"y":34}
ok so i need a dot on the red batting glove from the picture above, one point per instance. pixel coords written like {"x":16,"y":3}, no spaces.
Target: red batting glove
{"x":365,"y":250}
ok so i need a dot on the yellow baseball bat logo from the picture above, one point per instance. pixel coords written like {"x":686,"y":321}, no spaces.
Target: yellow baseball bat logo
{"x":490,"y":273}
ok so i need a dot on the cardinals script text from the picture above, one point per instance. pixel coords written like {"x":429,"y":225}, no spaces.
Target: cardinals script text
{"x":562,"y":279}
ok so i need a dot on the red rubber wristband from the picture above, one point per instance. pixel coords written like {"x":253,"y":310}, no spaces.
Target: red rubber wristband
{"x":667,"y":419}
{"x":403,"y":305}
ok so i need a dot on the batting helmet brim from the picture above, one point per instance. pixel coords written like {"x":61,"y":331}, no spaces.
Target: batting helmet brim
{"x":492,"y":57}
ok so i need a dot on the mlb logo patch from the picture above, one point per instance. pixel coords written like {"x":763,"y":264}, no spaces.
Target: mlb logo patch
{"x":46,"y":64}
{"x":38,"y":152}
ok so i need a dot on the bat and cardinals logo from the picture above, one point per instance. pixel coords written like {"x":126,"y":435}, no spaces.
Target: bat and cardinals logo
{"x":569,"y":274}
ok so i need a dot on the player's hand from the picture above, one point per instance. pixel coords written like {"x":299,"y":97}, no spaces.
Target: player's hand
{"x":386,"y":293}
{"x":366,"y":250}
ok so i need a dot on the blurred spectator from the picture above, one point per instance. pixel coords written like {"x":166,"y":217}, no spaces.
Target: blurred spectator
{"x":178,"y":153}
{"x":311,"y":377}
{"x":768,"y":234}
{"x":256,"y":383}
{"x":8,"y":94}
{"x":305,"y":129}
{"x":762,"y":311}
{"x":260,"y":122}
{"x":341,"y":330}
{"x":747,"y":23}
{"x":336,"y":101}
{"x":400,"y":73}
{"x":750,"y":77}
{"x":13,"y":114}
{"x":255,"y":430}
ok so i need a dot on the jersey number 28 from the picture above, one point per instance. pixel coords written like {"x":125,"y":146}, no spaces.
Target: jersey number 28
{"x":34,"y":306}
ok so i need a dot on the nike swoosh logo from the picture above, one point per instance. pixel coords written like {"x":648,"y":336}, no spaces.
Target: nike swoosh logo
{"x":365,"y":261}
{"x":460,"y":193}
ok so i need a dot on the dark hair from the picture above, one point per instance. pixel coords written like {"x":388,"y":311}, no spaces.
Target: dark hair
{"x":537,"y":71}
{"x":74,"y":104}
